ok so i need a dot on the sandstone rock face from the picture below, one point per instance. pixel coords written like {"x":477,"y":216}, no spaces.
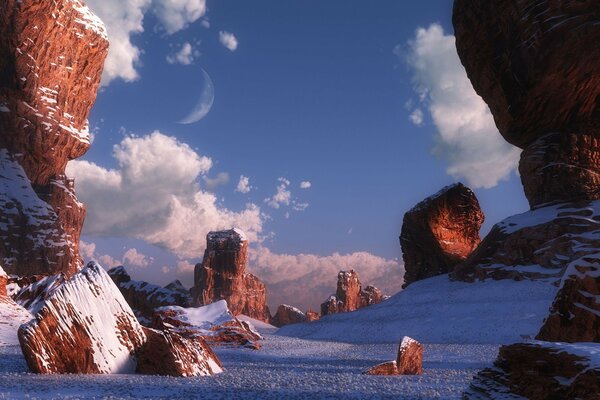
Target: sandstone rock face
{"x":408,"y":362}
{"x":312,"y":316}
{"x":214,"y":323}
{"x":534,"y":62}
{"x":3,"y":283}
{"x":167,"y":353}
{"x":537,"y":244}
{"x":222,"y":276}
{"x":144,"y":298}
{"x":350,"y":295}
{"x":410,"y":357}
{"x":575,"y":313}
{"x":440,"y":232}
{"x":51,"y":59}
{"x":540,"y":370}
{"x":561,"y":167}
{"x":85,"y":326}
{"x":287,"y":315}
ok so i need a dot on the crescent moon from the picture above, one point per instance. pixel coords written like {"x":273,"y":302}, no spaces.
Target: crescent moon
{"x":204,"y":104}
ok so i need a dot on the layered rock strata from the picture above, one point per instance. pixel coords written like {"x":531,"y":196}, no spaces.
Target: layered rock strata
{"x":51,"y":60}
{"x":222,"y":276}
{"x":440,"y":232}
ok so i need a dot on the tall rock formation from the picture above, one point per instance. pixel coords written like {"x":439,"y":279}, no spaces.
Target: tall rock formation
{"x":440,"y":232}
{"x":51,"y":60}
{"x":222,"y":276}
{"x":350,"y":295}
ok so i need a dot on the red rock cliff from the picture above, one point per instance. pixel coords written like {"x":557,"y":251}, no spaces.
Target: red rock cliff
{"x":350,"y":295}
{"x":222,"y":276}
{"x":51,"y":60}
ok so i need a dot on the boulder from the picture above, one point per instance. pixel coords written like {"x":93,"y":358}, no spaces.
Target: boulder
{"x":51,"y":59}
{"x":575,"y":312}
{"x":85,"y":326}
{"x":287,"y":315}
{"x":440,"y":232}
{"x":312,"y":316}
{"x":214,"y":323}
{"x":408,"y":362}
{"x":3,"y":283}
{"x":535,"y":63}
{"x":540,"y":370}
{"x":350,"y":295}
{"x":222,"y":276}
{"x":410,"y":357}
{"x":144,"y":298}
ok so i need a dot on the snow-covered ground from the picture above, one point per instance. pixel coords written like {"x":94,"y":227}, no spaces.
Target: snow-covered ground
{"x":284,"y":368}
{"x":11,"y":317}
{"x":437,"y":310}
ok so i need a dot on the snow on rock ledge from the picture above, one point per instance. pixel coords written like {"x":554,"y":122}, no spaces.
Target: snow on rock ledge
{"x":85,"y":326}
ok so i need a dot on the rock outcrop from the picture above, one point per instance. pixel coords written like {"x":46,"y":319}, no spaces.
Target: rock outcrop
{"x":440,"y":232}
{"x":408,"y":362}
{"x":312,"y":316}
{"x":575,"y":313}
{"x":214,"y":323}
{"x":350,"y":295}
{"x":84,"y":325}
{"x":51,"y":60}
{"x":3,"y":283}
{"x":287,"y":315}
{"x":144,"y":298}
{"x":222,"y":276}
{"x":540,"y":370}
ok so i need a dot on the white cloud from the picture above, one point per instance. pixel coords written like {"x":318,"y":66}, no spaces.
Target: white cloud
{"x":305,"y":185}
{"x":228,"y":40}
{"x":185,"y":56}
{"x":154,"y":194}
{"x":125,"y":19}
{"x":307,"y":280}
{"x":243,"y":185}
{"x":299,"y":206}
{"x":416,"y":117}
{"x":211,"y":184}
{"x":108,"y":262}
{"x":282,"y":196}
{"x":135,"y":259}
{"x":87,"y":250}
{"x":467,"y":136}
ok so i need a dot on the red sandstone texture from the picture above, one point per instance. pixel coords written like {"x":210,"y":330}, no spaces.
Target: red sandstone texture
{"x":222,"y":276}
{"x":312,"y":316}
{"x":440,"y":232}
{"x":51,"y":60}
{"x":540,"y":371}
{"x":350,"y":295}
{"x":85,"y":326}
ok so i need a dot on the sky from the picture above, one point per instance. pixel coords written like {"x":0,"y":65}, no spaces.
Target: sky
{"x":329,"y":120}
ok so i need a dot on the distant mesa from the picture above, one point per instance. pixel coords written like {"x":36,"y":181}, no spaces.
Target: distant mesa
{"x":46,"y":93}
{"x":350,"y":295}
{"x":440,"y":232}
{"x":222,"y":276}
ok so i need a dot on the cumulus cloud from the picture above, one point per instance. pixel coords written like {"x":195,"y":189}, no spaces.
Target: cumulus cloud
{"x":306,"y":280}
{"x":243,"y":185}
{"x":125,"y":19}
{"x":416,"y":117}
{"x":282,"y":196}
{"x":211,"y":184}
{"x":185,"y":56}
{"x":134,"y":258}
{"x":154,"y":194}
{"x":228,"y":40}
{"x":87,"y":250}
{"x":305,"y":185}
{"x":467,"y":137}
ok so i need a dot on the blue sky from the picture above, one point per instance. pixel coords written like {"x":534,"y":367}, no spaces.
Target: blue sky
{"x":318,"y":91}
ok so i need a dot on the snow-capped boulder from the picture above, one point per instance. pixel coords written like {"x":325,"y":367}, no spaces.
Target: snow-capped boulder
{"x":540,"y":370}
{"x":408,"y":362}
{"x":214,"y":323}
{"x":144,"y":298}
{"x":222,"y":276}
{"x":84,"y":325}
{"x":287,"y":315}
{"x":52,"y":56}
{"x":350,"y":295}
{"x":439,"y":232}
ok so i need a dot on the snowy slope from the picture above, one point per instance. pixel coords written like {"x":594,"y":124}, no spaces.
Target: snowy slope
{"x":260,"y":326}
{"x":12,"y":316}
{"x":437,"y":310}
